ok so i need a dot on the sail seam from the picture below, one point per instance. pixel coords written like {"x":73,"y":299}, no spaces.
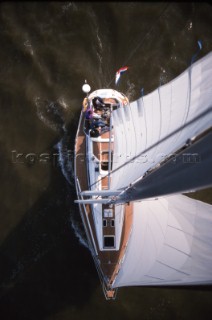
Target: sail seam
{"x":187,"y":233}
{"x":166,"y":265}
{"x":162,"y":279}
{"x":168,"y":245}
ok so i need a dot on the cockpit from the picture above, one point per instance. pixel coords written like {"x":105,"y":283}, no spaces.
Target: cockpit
{"x":98,"y":114}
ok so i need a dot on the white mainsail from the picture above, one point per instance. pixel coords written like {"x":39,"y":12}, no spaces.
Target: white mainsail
{"x":170,"y":244}
{"x":140,"y":130}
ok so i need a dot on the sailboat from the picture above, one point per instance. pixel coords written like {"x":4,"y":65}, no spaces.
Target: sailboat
{"x":133,"y":162}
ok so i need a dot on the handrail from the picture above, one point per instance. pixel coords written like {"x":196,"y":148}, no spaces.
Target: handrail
{"x":110,"y":156}
{"x":86,"y":217}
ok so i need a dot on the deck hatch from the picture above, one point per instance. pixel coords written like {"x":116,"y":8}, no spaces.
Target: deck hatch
{"x":108,"y":213}
{"x":109,"y":241}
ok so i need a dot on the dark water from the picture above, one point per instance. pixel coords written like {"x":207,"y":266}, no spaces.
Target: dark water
{"x":47,"y":50}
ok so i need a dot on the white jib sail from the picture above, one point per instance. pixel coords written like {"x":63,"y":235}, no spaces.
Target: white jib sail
{"x":152,"y":118}
{"x":171,"y":243}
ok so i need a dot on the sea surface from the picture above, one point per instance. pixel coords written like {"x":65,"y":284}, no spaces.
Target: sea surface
{"x":47,"y":51}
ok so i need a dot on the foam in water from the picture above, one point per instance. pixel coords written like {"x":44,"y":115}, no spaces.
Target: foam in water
{"x":67,"y":169}
{"x":28,"y":46}
{"x":78,"y":233}
{"x":65,"y":160}
{"x":51,"y":113}
{"x":130,"y":90}
{"x":70,"y":5}
{"x":163,"y":76}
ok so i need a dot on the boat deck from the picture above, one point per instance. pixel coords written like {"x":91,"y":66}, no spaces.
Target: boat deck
{"x":109,"y":261}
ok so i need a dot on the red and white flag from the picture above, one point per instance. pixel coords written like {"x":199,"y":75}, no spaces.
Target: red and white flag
{"x":119,"y":72}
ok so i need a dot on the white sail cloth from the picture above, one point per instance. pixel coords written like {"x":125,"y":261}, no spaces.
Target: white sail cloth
{"x":171,"y":243}
{"x":152,"y":118}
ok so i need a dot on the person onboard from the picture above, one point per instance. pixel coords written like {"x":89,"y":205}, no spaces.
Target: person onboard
{"x":96,"y":123}
{"x":89,"y":113}
{"x":94,"y":133}
{"x":105,"y":129}
{"x":98,"y":102}
{"x":96,"y":115}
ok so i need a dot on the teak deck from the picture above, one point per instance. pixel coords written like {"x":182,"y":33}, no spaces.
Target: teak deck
{"x":108,"y":261}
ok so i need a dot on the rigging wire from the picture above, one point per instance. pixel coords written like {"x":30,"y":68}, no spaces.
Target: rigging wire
{"x":141,"y":42}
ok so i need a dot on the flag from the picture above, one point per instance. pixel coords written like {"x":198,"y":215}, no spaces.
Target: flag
{"x":119,"y":72}
{"x":199,"y":42}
